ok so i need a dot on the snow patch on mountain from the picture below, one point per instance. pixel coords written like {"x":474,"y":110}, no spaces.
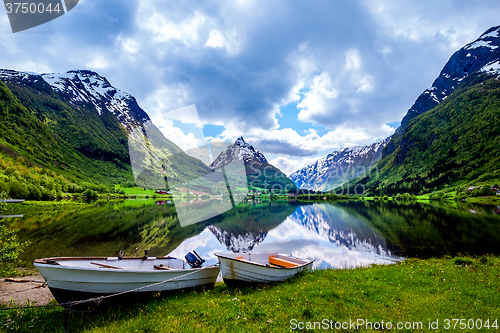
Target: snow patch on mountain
{"x":492,"y":68}
{"x":89,"y":87}
{"x":481,"y":43}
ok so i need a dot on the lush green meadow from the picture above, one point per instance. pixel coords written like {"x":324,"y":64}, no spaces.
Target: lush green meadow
{"x":411,"y":291}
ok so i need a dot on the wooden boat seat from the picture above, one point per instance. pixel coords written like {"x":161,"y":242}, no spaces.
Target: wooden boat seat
{"x":282,"y":262}
{"x":249,"y":261}
{"x":46,"y":261}
{"x":104,"y":266}
{"x":161,"y":267}
{"x":241,"y":259}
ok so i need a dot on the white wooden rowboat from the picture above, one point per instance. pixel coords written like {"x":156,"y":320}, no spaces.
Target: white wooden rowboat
{"x":79,"y":278}
{"x":259,"y":267}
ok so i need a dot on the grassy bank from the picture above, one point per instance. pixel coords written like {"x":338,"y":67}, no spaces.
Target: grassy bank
{"x":410,"y":291}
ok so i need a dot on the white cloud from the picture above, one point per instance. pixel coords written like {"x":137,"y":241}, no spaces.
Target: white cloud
{"x":287,"y":142}
{"x":167,"y":98}
{"x":129,"y":45}
{"x":365,"y":84}
{"x":352,"y":60}
{"x":215,"y":39}
{"x":318,"y":100}
{"x":163,"y":28}
{"x":425,"y":20}
{"x":175,"y":134}
{"x":288,"y":166}
{"x":230,"y":42}
{"x":98,"y":62}
{"x":35,"y":67}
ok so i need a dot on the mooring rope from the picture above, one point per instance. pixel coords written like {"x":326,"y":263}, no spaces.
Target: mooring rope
{"x":100,"y":298}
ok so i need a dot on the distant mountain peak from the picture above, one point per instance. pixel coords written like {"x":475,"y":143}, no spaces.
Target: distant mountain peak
{"x":240,"y":150}
{"x":240,"y":141}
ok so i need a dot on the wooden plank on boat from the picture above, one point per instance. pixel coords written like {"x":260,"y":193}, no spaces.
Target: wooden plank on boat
{"x":282,"y":262}
{"x":73,"y":258}
{"x":46,"y":261}
{"x":161,"y":267}
{"x":105,"y":266}
{"x":248,"y":261}
{"x":241,"y":259}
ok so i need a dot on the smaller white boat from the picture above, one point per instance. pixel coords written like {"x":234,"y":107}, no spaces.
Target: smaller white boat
{"x":259,"y":267}
{"x":80,"y":278}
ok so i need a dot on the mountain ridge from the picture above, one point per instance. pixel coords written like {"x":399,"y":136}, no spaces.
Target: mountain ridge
{"x":468,"y":59}
{"x":78,"y":125}
{"x":338,"y":167}
{"x":260,"y":173}
{"x":241,"y":150}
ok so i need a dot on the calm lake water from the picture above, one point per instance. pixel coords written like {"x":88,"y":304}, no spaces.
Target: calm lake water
{"x":340,"y":234}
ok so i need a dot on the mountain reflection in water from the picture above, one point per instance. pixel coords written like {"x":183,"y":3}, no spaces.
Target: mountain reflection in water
{"x":318,"y":231}
{"x":340,"y":234}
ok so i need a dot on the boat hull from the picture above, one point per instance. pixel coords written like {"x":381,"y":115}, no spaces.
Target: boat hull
{"x":71,"y":283}
{"x":235,"y":271}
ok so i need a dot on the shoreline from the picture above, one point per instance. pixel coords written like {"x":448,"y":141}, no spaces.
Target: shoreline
{"x":24,"y":290}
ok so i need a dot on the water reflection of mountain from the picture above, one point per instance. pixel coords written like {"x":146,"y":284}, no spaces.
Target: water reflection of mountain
{"x":240,"y":242}
{"x":424,"y":230}
{"x":246,"y":226}
{"x":340,"y":228}
{"x":409,"y":229}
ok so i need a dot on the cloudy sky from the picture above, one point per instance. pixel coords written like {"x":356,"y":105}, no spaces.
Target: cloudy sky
{"x":298,"y":79}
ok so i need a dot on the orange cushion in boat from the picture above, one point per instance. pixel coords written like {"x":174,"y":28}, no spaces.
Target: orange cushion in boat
{"x":282,"y":262}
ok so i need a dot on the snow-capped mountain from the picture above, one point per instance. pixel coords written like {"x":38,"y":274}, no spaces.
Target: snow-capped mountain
{"x":259,"y":172}
{"x":238,"y":243}
{"x":83,"y":88}
{"x":482,"y":55}
{"x":240,"y":150}
{"x":338,"y":167}
{"x":91,"y":121}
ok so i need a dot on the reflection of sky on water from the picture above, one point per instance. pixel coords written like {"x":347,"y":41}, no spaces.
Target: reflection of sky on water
{"x":321,"y":232}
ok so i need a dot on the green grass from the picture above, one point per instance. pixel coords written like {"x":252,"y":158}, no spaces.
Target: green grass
{"x":139,"y":191}
{"x":411,"y":291}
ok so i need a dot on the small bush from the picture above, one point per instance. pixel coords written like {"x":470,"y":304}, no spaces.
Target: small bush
{"x":10,"y":248}
{"x":462,"y":261}
{"x":483,"y":260}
